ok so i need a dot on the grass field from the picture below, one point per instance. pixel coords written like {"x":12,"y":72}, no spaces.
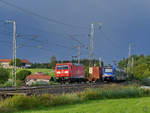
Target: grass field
{"x":45,"y":71}
{"x":136,"y":105}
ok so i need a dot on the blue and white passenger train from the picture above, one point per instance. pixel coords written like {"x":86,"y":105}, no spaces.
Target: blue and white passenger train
{"x":112,"y":73}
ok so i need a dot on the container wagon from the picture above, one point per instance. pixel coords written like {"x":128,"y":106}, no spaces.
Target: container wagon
{"x":69,"y":72}
{"x":95,"y":74}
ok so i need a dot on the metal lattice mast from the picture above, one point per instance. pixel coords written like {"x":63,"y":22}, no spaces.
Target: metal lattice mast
{"x":14,"y":50}
{"x":129,"y":63}
{"x":100,"y":61}
{"x":79,"y":54}
{"x":91,"y":45}
{"x":14,"y":47}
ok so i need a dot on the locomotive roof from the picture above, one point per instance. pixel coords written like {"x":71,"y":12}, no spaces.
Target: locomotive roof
{"x":75,"y":64}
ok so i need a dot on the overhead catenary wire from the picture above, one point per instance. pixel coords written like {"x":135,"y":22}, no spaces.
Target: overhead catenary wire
{"x":108,"y":38}
{"x":40,"y":16}
{"x":34,"y":15}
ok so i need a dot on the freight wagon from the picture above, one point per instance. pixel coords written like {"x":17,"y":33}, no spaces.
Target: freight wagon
{"x":69,"y":72}
{"x":95,"y":74}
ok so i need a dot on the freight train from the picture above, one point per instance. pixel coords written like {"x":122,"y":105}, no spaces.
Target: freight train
{"x":70,"y":72}
{"x":112,"y":73}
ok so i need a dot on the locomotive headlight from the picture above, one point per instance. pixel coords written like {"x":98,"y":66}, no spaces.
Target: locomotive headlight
{"x":58,"y":72}
{"x":66,"y":71}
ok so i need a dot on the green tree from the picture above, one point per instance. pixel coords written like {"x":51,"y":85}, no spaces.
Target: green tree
{"x":21,"y":75}
{"x":123,"y":63}
{"x":4,"y":75}
{"x":18,"y":62}
{"x":141,"y":71}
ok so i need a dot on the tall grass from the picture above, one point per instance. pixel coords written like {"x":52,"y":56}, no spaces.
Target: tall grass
{"x":29,"y":102}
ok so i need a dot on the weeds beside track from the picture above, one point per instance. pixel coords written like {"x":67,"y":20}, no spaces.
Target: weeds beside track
{"x":53,"y":89}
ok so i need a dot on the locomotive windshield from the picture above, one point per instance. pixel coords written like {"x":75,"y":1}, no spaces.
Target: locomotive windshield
{"x":108,"y":70}
{"x":65,"y":67}
{"x":62,"y":67}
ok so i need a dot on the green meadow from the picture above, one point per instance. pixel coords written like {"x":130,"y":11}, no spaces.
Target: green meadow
{"x":50,"y":72}
{"x":136,"y":105}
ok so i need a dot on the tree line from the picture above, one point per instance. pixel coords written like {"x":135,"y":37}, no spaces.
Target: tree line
{"x":137,"y":67}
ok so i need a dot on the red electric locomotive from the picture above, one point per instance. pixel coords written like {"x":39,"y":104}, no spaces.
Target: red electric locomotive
{"x":69,"y":72}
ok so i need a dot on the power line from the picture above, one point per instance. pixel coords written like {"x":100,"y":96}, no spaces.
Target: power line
{"x":6,"y":43}
{"x":108,"y":38}
{"x":78,"y":41}
{"x":40,"y":16}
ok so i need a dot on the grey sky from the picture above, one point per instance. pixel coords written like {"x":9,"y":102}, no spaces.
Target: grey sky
{"x":123,"y":21}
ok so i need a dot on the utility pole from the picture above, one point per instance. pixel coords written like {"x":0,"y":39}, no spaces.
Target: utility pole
{"x":100,"y":61}
{"x":78,"y":46}
{"x":91,"y":45}
{"x":92,"y":42}
{"x":129,"y":54}
{"x":132,"y":65}
{"x":129,"y":62}
{"x":114,"y":62}
{"x":79,"y":53}
{"x":14,"y":50}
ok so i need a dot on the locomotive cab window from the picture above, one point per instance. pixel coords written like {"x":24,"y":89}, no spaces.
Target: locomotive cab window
{"x":59,"y":67}
{"x":62,"y":67}
{"x":65,"y":67}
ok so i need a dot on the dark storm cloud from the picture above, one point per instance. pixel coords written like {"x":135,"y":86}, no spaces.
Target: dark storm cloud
{"x":123,"y":21}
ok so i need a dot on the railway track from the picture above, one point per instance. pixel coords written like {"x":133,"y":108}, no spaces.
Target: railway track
{"x":53,"y":89}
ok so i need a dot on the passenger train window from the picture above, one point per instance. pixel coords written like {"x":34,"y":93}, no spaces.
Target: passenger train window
{"x":108,"y":70}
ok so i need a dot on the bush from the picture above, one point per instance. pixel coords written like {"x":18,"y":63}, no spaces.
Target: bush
{"x":18,"y":102}
{"x":21,"y":75}
{"x":103,"y":93}
{"x":19,"y":83}
{"x":6,"y":84}
{"x":4,"y":75}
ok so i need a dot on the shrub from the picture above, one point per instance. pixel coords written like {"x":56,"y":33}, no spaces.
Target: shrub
{"x":18,"y":102}
{"x":19,"y":83}
{"x":44,"y":100}
{"x":4,"y":75}
{"x":6,"y":84}
{"x":103,"y":93}
{"x":65,"y":99}
{"x":21,"y":75}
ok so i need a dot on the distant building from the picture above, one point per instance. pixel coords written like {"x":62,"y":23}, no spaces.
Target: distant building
{"x":5,"y":63}
{"x":37,"y":78}
{"x":26,"y":63}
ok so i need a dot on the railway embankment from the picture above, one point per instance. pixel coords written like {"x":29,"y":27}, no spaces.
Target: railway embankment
{"x":52,"y":89}
{"x":109,"y":91}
